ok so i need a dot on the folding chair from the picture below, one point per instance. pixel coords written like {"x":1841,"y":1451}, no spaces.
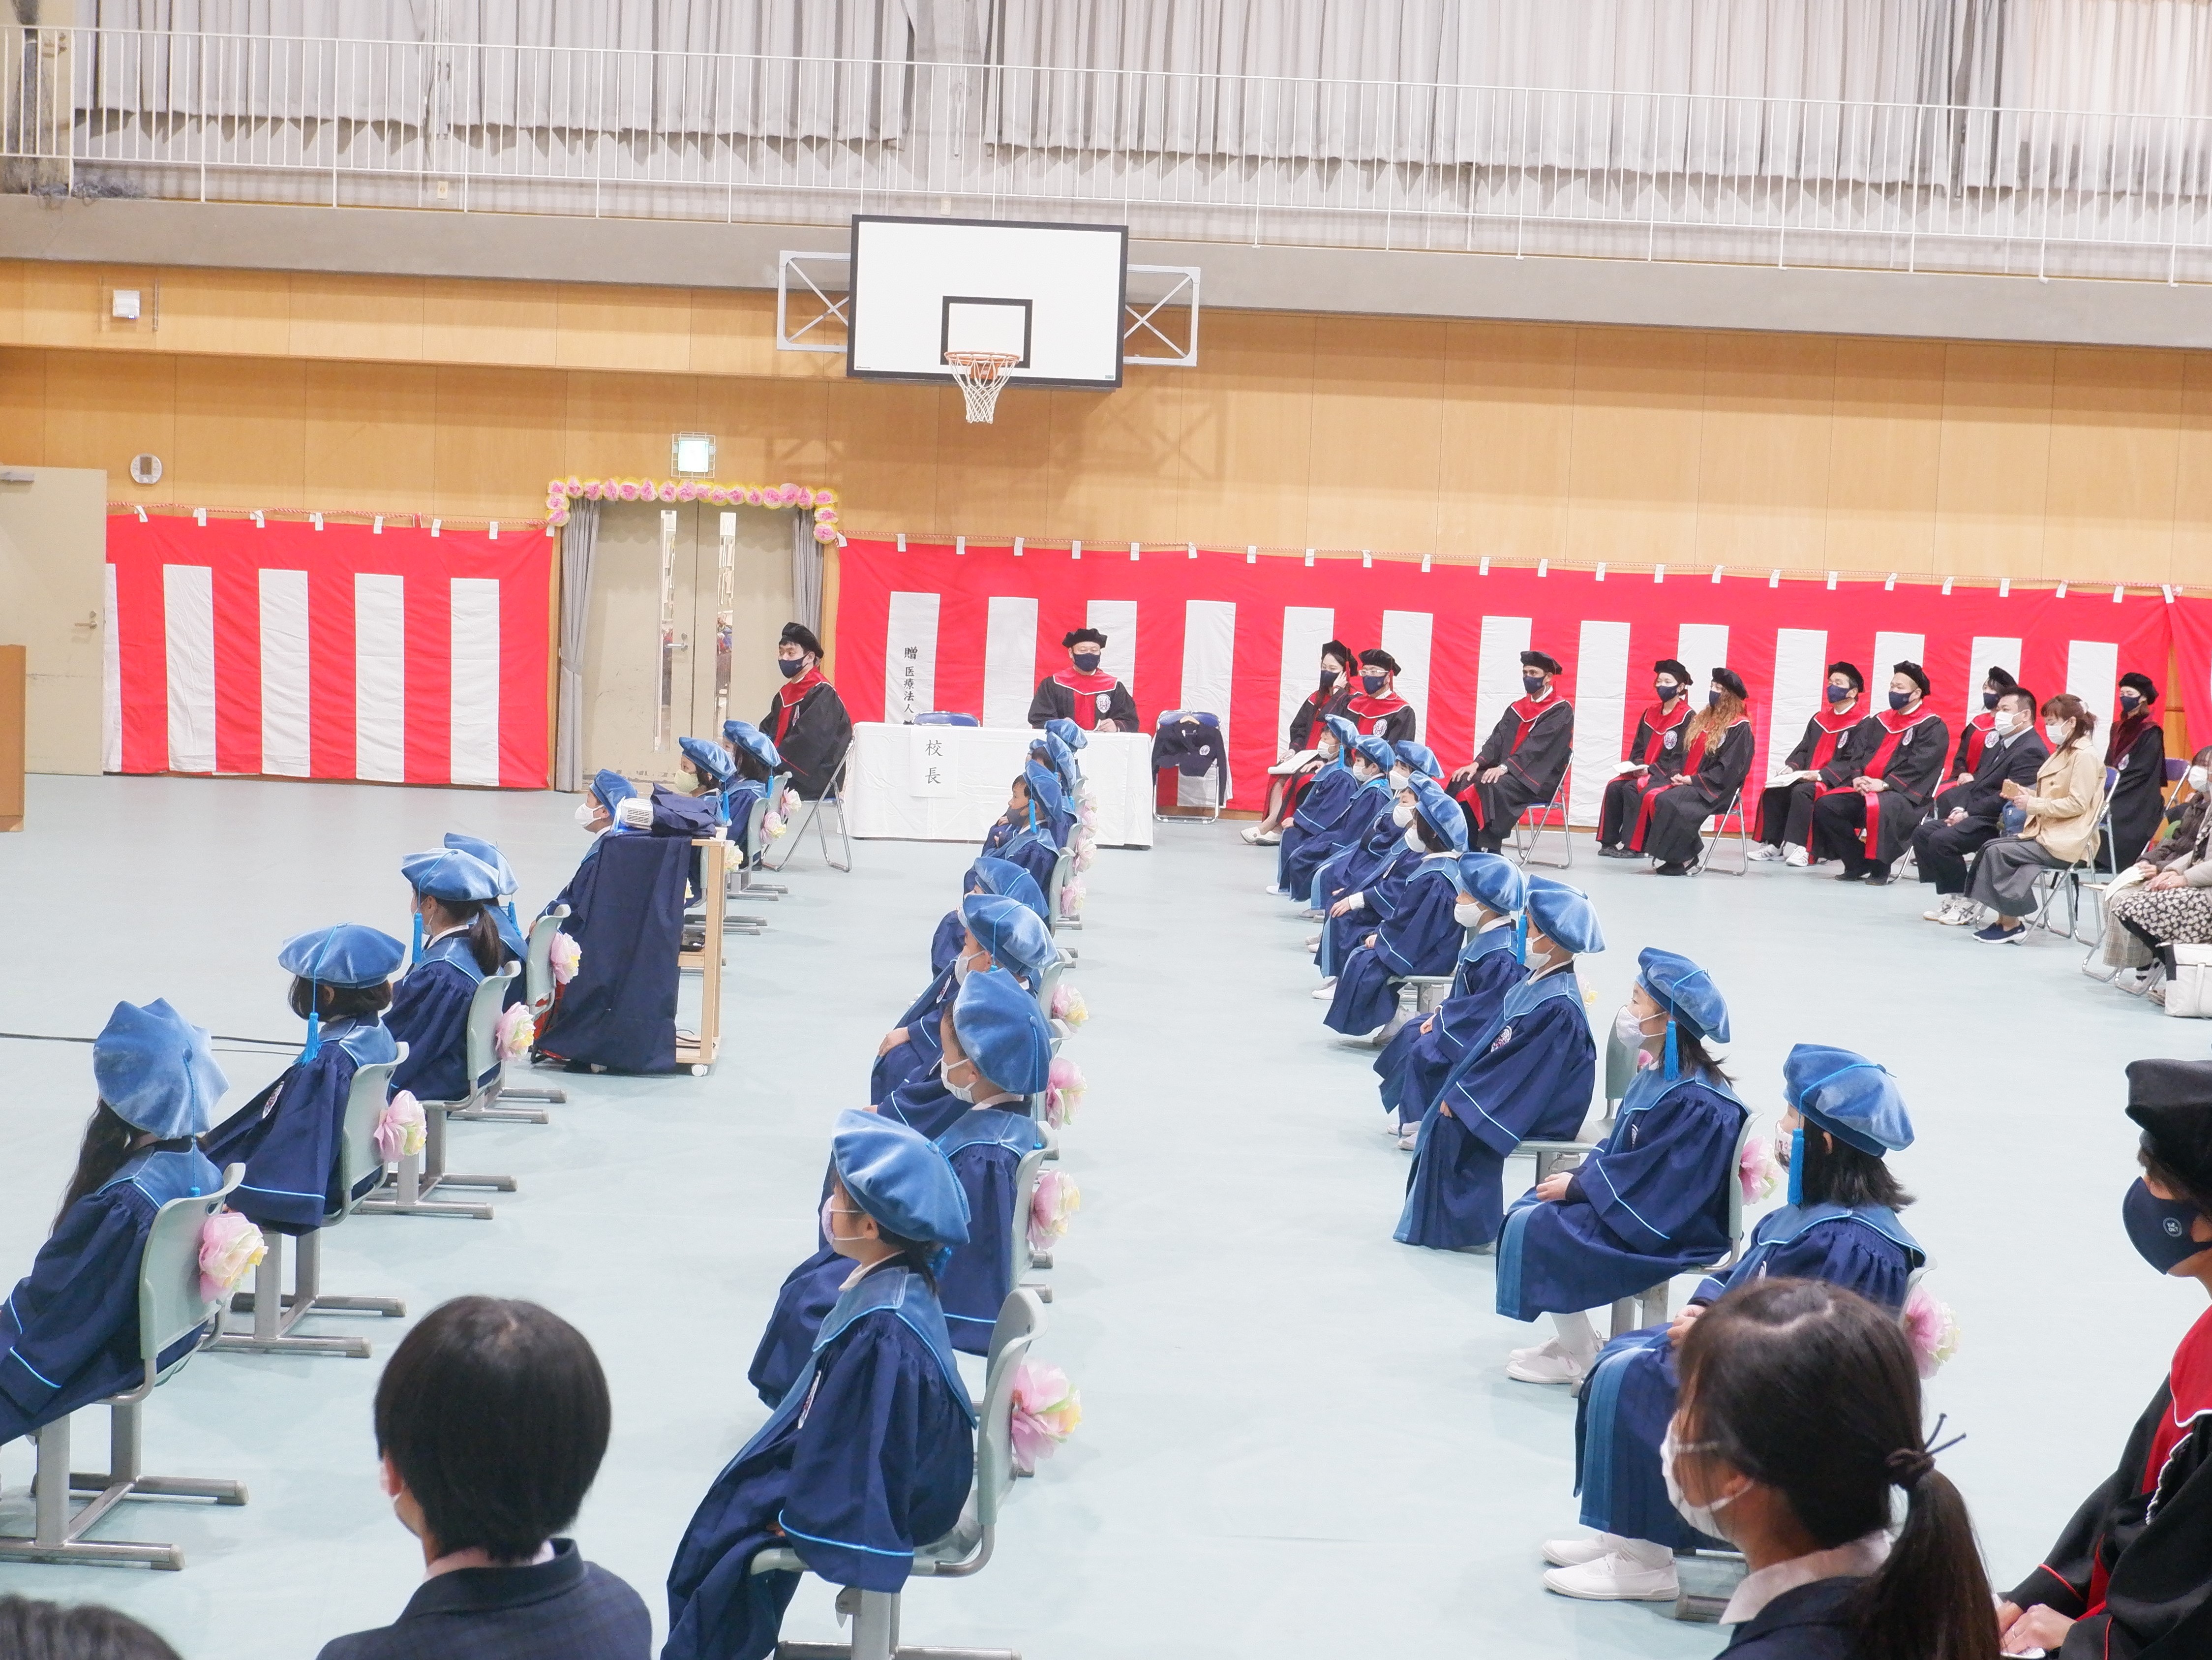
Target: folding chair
{"x":170,"y":1309}
{"x":2072,"y":879}
{"x":1717,"y":826}
{"x":275,"y":1314}
{"x":1063,"y":869}
{"x":810,"y":813}
{"x":740,"y":882}
{"x":538,"y":987}
{"x":1026,"y":1260}
{"x":875,"y":1614}
{"x":1528,"y":840}
{"x":406,"y":1194}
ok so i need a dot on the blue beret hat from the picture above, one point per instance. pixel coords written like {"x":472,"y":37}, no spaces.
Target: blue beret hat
{"x":478,"y":847}
{"x":744,"y":735}
{"x":349,"y":954}
{"x":154,"y":1068}
{"x":1685,"y":991}
{"x":1044,"y":786}
{"x":1003,"y":1032}
{"x":448,"y":873}
{"x":899,"y":1178}
{"x":710,"y":759}
{"x":1420,"y":757}
{"x":1067,"y":731}
{"x":1849,"y":1096}
{"x":1347,"y":733}
{"x":1377,"y":751}
{"x":1010,"y":931}
{"x":1442,"y":813}
{"x":1493,"y":879}
{"x":990,"y":875}
{"x":612,"y":789}
{"x":1563,"y":913}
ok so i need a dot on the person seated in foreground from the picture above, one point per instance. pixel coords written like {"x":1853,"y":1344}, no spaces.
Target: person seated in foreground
{"x":806,"y":720}
{"x":457,"y":944}
{"x":1678,"y":797}
{"x":1367,"y":841}
{"x":513,"y":944}
{"x":1840,"y":1226}
{"x":2131,"y":1573}
{"x":754,"y":762}
{"x":1969,"y":815}
{"x":1024,"y":834}
{"x":1650,"y":1203}
{"x":491,"y":1418}
{"x":707,"y":771}
{"x":2165,"y":898}
{"x":288,"y":1137}
{"x":1324,"y":808}
{"x":1786,"y":805}
{"x":1527,"y":1076}
{"x":2061,"y":809}
{"x":1657,"y":743}
{"x":1417,"y":930}
{"x":987,"y":875}
{"x":872,"y":1452}
{"x":69,"y":1332}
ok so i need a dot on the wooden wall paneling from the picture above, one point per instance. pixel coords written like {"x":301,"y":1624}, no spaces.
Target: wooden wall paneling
{"x":733,"y":332}
{"x":1115,"y":467}
{"x":371,"y":436}
{"x":2193,"y":490}
{"x":376,"y":318}
{"x":635,"y":329}
{"x":1885,"y":442}
{"x":515,"y":325}
{"x":1763,"y":447}
{"x":22,"y":406}
{"x":103,"y":408}
{"x":2115,"y":460}
{"x":622,"y":424}
{"x":241,"y":433}
{"x":1375,"y":449}
{"x":500,"y":435}
{"x":767,"y":431}
{"x":11,"y":302}
{"x":1505,"y":440}
{"x":1633,"y":476}
{"x":233,"y":312}
{"x":888,"y":460}
{"x":68,"y":305}
{"x":1991,"y":489}
{"x":1247,"y":421}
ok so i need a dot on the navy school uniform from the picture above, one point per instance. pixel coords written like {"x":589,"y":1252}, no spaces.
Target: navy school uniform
{"x":1528,"y":1077}
{"x":1340,"y":935}
{"x":515,"y":949}
{"x":870,"y":1455}
{"x":1032,"y":849}
{"x":944,"y":944}
{"x":288,"y":1136}
{"x":923,"y":1103}
{"x":1650,"y":1203}
{"x":1414,"y":1064}
{"x":429,"y":1013}
{"x":627,"y":904}
{"x":738,"y":803}
{"x":69,"y":1332}
{"x":1417,"y":935}
{"x":1375,"y":845}
{"x":1321,"y":809}
{"x":1630,"y":1397}
{"x":916,"y":1058}
{"x":1323,"y":842}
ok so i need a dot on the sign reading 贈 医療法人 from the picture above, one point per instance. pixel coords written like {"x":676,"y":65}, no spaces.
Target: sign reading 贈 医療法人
{"x":932,"y":766}
{"x":910,"y":656}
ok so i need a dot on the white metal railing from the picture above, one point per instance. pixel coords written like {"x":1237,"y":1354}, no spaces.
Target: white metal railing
{"x":1354,"y":163}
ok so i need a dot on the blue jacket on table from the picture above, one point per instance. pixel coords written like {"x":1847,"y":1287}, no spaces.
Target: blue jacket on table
{"x":869,"y":1456}
{"x":429,"y":1013}
{"x":288,"y":1136}
{"x":69,"y":1332}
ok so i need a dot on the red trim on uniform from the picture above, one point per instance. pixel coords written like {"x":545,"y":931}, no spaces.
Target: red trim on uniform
{"x":787,"y":697}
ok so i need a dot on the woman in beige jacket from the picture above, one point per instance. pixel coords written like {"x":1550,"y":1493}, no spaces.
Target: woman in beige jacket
{"x":2062,"y":811}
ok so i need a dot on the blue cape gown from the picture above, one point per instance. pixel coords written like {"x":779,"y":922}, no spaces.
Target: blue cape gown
{"x":429,"y":1013}
{"x":1032,"y":849}
{"x":1379,"y":852}
{"x":287,"y":1136}
{"x":944,"y":944}
{"x":1417,"y":934}
{"x":1527,"y":1076}
{"x":869,"y":1456}
{"x":69,"y":1332}
{"x":916,"y":1059}
{"x":1651,"y":1203}
{"x":620,"y":1010}
{"x":737,"y":811}
{"x":1630,"y":1397}
{"x":923,"y":1103}
{"x":1414,"y":1064}
{"x":1321,"y":828}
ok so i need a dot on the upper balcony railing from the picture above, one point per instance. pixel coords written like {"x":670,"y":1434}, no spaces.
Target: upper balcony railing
{"x":111,"y":112}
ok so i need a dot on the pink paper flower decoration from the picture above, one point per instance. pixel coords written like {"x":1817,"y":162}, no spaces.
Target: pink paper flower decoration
{"x":720,"y":496}
{"x":667,"y":492}
{"x":1932,"y":1328}
{"x":787,"y":494}
{"x":1054,"y":1202}
{"x":825,"y":533}
{"x":230,"y":1248}
{"x":825,"y":515}
{"x":559,"y":518}
{"x":1048,"y":1409}
{"x":573,"y":486}
{"x":400,"y":1131}
{"x":1067,"y":1002}
{"x":512,"y":1035}
{"x":1064,"y":1093}
{"x":626,"y":491}
{"x":1070,"y":902}
{"x":1758,"y":1170}
{"x":564,"y":959}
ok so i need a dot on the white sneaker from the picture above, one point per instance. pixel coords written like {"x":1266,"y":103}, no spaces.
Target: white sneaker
{"x":1795,"y":857}
{"x":1391,"y":1127}
{"x":1615,"y":1579}
{"x":1766,"y":854}
{"x":1313,"y":942}
{"x":1260,"y":838}
{"x":1326,"y":990}
{"x":1411,"y":1141}
{"x":1547,"y":1363}
{"x":1573,"y":1553}
{"x":1946,"y":911}
{"x":1279,"y":893}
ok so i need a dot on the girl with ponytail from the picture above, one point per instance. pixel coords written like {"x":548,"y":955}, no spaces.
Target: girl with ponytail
{"x":457,"y":944}
{"x":1798,"y":1439}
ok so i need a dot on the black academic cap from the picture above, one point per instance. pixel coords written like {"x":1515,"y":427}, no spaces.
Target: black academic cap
{"x":2141,"y":681}
{"x":1070,"y":641}
{"x":2000,"y":677}
{"x":2172,"y":1102}
{"x":1850,"y":671}
{"x":798,"y":635}
{"x":1725,"y":675}
{"x":1537,"y":660}
{"x":1376,"y":657}
{"x":1665,"y":665}
{"x":1912,"y":671}
{"x":1339,"y":650}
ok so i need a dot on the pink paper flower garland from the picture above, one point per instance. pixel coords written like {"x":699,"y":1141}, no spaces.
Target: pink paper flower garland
{"x":560,"y":492}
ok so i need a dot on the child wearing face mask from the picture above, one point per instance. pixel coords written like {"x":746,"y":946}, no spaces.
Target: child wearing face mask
{"x":2129,"y":1576}
{"x":1325,"y":861}
{"x":1380,"y":849}
{"x":1800,"y":1420}
{"x":1840,"y":1226}
{"x":1025,"y":833}
{"x":1415,"y":931}
{"x":1414,"y":1063}
{"x":457,"y":944}
{"x":1356,"y":889}
{"x":997,"y":930}
{"x":1321,"y":811}
{"x":1650,"y":1203}
{"x":1528,"y":1075}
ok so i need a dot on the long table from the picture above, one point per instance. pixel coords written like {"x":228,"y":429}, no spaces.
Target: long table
{"x":950,"y":783}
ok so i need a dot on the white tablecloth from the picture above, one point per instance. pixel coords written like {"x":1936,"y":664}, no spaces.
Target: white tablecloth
{"x":898,"y":787}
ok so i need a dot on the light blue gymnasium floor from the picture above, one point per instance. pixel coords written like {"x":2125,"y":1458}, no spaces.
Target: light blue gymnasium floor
{"x":1298,"y":1440}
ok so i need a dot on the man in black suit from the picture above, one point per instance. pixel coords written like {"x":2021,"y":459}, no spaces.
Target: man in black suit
{"x":1966,"y":815}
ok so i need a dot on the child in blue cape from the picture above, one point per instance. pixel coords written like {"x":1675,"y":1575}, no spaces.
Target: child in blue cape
{"x":755,"y":762}
{"x":1414,"y":1063}
{"x":1337,"y":808}
{"x":1029,"y":832}
{"x":457,"y":944}
{"x":997,"y":930}
{"x":1417,"y":930}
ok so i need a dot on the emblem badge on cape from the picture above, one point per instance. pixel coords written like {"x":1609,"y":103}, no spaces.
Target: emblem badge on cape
{"x":1499,"y":1042}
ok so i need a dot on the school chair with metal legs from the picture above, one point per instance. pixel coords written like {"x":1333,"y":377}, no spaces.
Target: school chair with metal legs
{"x":811,"y":814}
{"x":1528,"y":839}
{"x":1716,"y":830}
{"x":407,"y":1193}
{"x":538,"y":991}
{"x":170,"y":1309}
{"x":275,"y":1314}
{"x":1024,"y":1260}
{"x":1649,"y":1308}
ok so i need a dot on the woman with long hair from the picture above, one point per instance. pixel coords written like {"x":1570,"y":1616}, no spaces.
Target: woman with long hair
{"x":1681,"y":795}
{"x":2135,"y":750}
{"x":1295,"y":768}
{"x":2165,"y":898}
{"x":1800,"y":1422}
{"x":2062,"y":809}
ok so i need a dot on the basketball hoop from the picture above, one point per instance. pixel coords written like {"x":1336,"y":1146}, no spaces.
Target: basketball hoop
{"x":982,"y":376}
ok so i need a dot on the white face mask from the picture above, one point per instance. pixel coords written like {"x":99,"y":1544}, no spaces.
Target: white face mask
{"x":1700,"y":1517}
{"x":1363,"y":769}
{"x":1413,"y":840}
{"x":1628,"y":1027}
{"x":1399,"y":777}
{"x":2001,"y":722}
{"x":1402,"y":814}
{"x":830,"y":1210}
{"x":956,"y":1091}
{"x":961,"y":970}
{"x":1467,"y":914}
{"x":2057,"y":732}
{"x":2198,"y":779}
{"x":586,"y":811}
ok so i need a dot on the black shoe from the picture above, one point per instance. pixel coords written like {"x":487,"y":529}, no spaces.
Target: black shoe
{"x":1851,"y":876}
{"x":1618,"y":852}
{"x":1672,"y":867}
{"x":1878,"y":877}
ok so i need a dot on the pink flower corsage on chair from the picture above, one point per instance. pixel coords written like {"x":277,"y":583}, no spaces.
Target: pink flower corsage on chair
{"x":230,"y":1248}
{"x":1047,"y":1409}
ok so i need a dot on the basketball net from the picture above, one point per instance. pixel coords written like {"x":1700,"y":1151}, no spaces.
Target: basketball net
{"x":982,"y":376}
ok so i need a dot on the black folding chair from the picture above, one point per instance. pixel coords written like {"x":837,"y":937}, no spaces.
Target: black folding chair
{"x":811,"y":814}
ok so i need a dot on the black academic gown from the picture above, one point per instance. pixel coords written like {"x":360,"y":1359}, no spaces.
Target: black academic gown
{"x":1785,"y":812}
{"x":1670,"y":822}
{"x":1532,"y":742}
{"x":288,"y":1136}
{"x":1306,"y":725}
{"x":1390,"y":719}
{"x":1056,"y":700}
{"x":1906,"y":751}
{"x":626,"y":918}
{"x":1658,"y":741}
{"x":812,"y":732}
{"x":2138,"y":794}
